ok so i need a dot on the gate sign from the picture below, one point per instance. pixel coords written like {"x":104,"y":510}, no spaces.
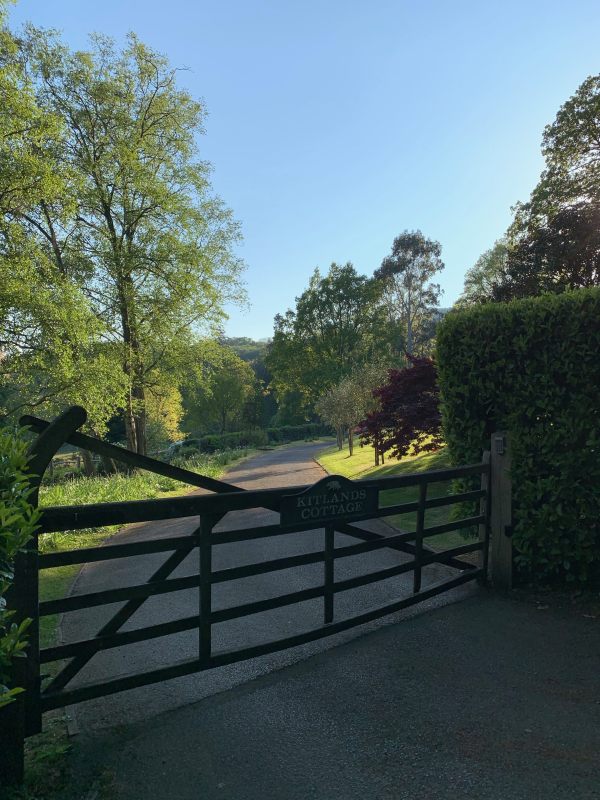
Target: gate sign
{"x":334,"y":498}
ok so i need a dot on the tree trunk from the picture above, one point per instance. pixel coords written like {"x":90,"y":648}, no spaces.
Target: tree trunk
{"x":409,"y":327}
{"x":351,"y":440}
{"x":88,"y":464}
{"x":135,"y":413}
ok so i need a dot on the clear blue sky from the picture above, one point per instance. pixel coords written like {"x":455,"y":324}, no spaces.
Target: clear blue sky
{"x":335,"y":125}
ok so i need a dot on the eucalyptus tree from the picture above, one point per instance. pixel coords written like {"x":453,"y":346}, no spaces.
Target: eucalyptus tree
{"x":407,"y":276}
{"x":136,"y":228}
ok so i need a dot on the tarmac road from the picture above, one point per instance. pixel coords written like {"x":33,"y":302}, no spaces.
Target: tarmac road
{"x":293,"y":465}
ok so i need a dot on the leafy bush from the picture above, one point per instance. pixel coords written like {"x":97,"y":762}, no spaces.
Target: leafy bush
{"x":532,"y":367}
{"x":18,"y":520}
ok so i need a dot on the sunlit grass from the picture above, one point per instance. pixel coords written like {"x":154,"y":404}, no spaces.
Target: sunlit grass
{"x":361,"y":465}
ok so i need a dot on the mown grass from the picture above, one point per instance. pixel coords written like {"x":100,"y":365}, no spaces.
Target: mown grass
{"x":362,"y":465}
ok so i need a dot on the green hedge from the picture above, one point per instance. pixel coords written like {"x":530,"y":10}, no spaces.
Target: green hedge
{"x":291,"y":433}
{"x":229,"y":441}
{"x":532,"y":367}
{"x":211,"y":443}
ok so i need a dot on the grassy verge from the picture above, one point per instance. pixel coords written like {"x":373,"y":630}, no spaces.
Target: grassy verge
{"x":45,"y":753}
{"x":361,"y":465}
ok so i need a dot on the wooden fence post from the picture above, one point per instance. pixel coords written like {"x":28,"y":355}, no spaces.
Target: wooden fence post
{"x":12,"y":743}
{"x":501,"y":512}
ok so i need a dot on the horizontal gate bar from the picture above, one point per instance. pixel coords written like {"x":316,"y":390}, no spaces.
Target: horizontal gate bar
{"x":88,"y":647}
{"x":373,"y":577}
{"x":433,"y":502}
{"x":256,"y":607}
{"x":61,"y":518}
{"x":247,"y":570}
{"x":106,"y":552}
{"x":467,"y":522}
{"x":372,"y":544}
{"x":52,"y":700}
{"x":222,"y":659}
{"x":108,"y":596}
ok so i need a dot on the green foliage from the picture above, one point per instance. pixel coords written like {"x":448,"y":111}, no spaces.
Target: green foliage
{"x":226,"y":441}
{"x":256,"y":438}
{"x":114,"y":251}
{"x":347,"y":403}
{"x":335,"y":328}
{"x":410,"y":296}
{"x":18,"y":521}
{"x":531,"y":367}
{"x":292,"y":433}
{"x":482,"y":278}
{"x":220,"y":389}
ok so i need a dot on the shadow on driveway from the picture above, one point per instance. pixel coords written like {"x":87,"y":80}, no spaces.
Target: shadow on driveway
{"x":489,"y":698}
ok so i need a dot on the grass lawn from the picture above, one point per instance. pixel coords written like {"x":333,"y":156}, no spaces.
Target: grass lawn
{"x":361,"y":465}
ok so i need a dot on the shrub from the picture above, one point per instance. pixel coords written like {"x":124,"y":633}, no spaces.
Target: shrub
{"x":18,"y":520}
{"x":532,"y":367}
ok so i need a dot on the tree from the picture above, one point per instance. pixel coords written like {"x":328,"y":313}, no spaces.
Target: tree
{"x":49,"y":337}
{"x":219,"y":398}
{"x":406,"y":275}
{"x":554,"y":240}
{"x":334,"y":329}
{"x":344,"y":405}
{"x":485,"y":275}
{"x":136,"y":229}
{"x":408,"y":419}
{"x":559,"y":254}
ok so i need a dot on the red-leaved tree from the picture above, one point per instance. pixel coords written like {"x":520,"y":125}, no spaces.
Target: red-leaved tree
{"x":408,"y":418}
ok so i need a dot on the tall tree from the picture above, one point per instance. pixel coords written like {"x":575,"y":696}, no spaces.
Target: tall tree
{"x":334,"y":329}
{"x":554,"y":239}
{"x":562,"y":253}
{"x":221,"y":395}
{"x":137,"y":229}
{"x":49,"y":336}
{"x":407,"y":276}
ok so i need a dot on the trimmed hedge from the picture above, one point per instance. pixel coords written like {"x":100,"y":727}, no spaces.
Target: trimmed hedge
{"x":229,"y":441}
{"x":291,"y":433}
{"x":211,"y":443}
{"x":532,"y":367}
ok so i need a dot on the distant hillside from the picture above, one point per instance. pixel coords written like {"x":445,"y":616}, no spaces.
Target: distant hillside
{"x":247,"y":349}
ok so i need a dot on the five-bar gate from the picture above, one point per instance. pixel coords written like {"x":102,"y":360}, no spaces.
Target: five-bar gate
{"x":338,"y":509}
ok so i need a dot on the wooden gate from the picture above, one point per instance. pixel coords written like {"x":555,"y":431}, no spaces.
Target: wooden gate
{"x":334,"y":504}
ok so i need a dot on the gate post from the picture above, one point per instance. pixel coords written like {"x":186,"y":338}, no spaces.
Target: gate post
{"x":501,"y":512}
{"x":12,"y":743}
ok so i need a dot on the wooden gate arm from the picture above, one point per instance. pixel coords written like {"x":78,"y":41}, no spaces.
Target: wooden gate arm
{"x":128,"y":457}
